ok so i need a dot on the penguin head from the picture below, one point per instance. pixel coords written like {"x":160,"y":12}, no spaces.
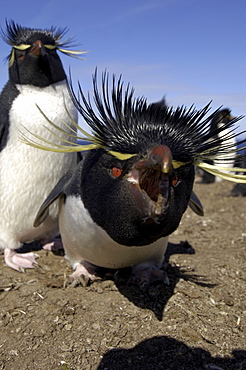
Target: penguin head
{"x":139,"y":199}
{"x":221,"y":117}
{"x":33,"y":59}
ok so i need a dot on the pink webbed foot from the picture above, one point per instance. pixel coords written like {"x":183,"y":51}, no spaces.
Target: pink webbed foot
{"x":55,"y":246}
{"x":145,"y":275}
{"x":19,"y":261}
{"x":83,"y":274}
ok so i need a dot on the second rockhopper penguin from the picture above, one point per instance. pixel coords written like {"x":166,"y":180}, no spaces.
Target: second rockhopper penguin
{"x":37,"y":81}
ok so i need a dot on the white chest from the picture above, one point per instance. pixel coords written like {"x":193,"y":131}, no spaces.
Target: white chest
{"x":52,"y":100}
{"x":85,"y":240}
{"x":22,"y":162}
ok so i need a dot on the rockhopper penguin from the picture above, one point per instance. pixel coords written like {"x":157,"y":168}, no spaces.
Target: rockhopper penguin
{"x":129,"y":192}
{"x":223,"y":116}
{"x":36,"y":81}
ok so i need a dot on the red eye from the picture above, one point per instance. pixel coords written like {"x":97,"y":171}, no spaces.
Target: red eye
{"x":175,"y":181}
{"x":116,"y":172}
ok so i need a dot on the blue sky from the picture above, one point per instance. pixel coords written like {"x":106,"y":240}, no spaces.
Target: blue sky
{"x":190,"y":51}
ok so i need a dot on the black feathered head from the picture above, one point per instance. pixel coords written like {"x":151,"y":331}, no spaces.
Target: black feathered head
{"x":22,"y":38}
{"x":220,"y":118}
{"x":126,"y":126}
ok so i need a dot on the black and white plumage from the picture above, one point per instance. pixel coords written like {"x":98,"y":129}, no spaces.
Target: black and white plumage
{"x":222,"y":117}
{"x":129,"y":192}
{"x":37,"y":81}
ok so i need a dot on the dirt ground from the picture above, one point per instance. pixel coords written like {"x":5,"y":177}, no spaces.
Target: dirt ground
{"x":197,"y":322}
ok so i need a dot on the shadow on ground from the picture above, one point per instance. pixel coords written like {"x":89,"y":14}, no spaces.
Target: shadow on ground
{"x":165,"y":353}
{"x":157,"y":295}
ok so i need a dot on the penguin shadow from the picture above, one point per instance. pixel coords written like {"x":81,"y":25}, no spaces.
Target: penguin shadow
{"x":156,"y":296}
{"x":162,"y":352}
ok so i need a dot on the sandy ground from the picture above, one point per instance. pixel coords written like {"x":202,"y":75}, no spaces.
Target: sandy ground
{"x":197,"y":322}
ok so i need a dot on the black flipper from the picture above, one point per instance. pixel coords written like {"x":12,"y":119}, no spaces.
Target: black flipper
{"x":56,"y":193}
{"x":195,"y":204}
{"x":7,"y":96}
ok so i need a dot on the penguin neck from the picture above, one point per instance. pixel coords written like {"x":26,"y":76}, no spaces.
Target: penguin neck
{"x":37,"y":72}
{"x":25,"y":89}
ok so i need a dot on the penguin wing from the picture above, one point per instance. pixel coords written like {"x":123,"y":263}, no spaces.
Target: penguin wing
{"x":2,"y":130}
{"x":7,"y":96}
{"x":195,"y":204}
{"x":57,"y":192}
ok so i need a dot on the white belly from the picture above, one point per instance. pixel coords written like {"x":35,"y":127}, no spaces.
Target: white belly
{"x":27,"y":174}
{"x":84,"y":240}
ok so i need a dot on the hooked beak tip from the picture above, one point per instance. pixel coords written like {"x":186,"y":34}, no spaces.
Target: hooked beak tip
{"x":166,"y":168}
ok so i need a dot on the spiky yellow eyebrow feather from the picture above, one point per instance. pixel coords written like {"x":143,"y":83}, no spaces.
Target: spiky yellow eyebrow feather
{"x":121,"y":156}
{"x":71,"y":53}
{"x":177,"y":164}
{"x":220,"y":172}
{"x":22,"y":46}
